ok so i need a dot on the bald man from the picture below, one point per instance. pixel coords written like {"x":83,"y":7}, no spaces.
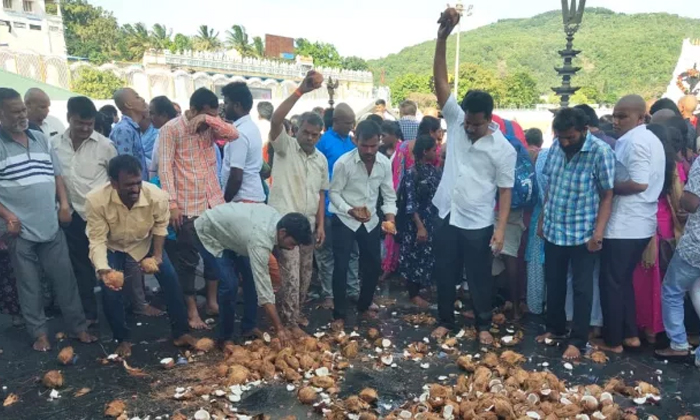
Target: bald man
{"x":38,"y":104}
{"x":639,"y":179}
{"x":333,"y":144}
{"x":126,"y":134}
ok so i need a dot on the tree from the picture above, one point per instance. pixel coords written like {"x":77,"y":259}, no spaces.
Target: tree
{"x":181,"y":43}
{"x":90,"y":32}
{"x":587,"y":95}
{"x":323,"y":54}
{"x":410,"y":83}
{"x":473,"y":76}
{"x":135,"y":41}
{"x":207,"y":39}
{"x":160,"y":37}
{"x":258,"y":47}
{"x":96,"y":84}
{"x":355,"y":63}
{"x":521,"y":90}
{"x":237,"y":38}
{"x":423,"y":100}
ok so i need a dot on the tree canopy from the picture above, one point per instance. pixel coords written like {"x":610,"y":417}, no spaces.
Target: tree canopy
{"x":96,"y":84}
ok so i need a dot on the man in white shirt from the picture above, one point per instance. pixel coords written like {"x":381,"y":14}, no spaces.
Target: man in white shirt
{"x":301,"y":181}
{"x":358,"y":178}
{"x":639,"y":180}
{"x":241,"y":236}
{"x":38,"y":104}
{"x":240,"y":172}
{"x":480,"y":163}
{"x":84,"y":155}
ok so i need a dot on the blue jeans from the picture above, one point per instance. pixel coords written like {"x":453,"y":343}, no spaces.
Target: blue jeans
{"x":229,"y":266}
{"x":113,"y":301}
{"x":680,"y":278}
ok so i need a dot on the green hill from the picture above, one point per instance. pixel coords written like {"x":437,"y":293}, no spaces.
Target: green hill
{"x":621,"y":53}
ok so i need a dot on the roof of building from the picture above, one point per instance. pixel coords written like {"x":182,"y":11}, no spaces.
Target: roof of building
{"x":21,"y":84}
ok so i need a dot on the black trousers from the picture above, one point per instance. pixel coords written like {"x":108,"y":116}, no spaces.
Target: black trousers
{"x":459,"y":251}
{"x":556,"y":268}
{"x":618,"y":259}
{"x":78,"y":250}
{"x":370,"y":265}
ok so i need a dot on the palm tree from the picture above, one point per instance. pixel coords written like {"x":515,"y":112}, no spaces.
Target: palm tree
{"x":160,"y":37}
{"x":207,"y":39}
{"x":137,"y":40}
{"x":238,"y":40}
{"x":258,"y":47}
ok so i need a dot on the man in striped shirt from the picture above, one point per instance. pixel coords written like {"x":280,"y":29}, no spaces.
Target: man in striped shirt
{"x":30,"y":184}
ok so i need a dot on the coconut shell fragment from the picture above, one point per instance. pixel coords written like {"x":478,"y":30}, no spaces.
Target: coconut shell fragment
{"x":11,"y":399}
{"x":350,"y":351}
{"x":66,"y":355}
{"x":369,"y":395}
{"x":114,"y":279}
{"x":373,"y":333}
{"x":149,"y":265}
{"x":53,"y":379}
{"x":354,"y":404}
{"x":307,"y":395}
{"x":599,"y":357}
{"x":115,"y":408}
{"x":324,"y":382}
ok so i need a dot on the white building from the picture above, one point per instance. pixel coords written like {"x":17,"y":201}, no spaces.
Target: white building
{"x":33,"y":26}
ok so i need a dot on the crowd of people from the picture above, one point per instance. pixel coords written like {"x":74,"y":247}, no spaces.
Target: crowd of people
{"x":599,"y":232}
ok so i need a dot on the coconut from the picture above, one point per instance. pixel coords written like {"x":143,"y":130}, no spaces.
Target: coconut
{"x":594,"y":390}
{"x":350,"y":351}
{"x":115,"y":408}
{"x":373,"y":333}
{"x":238,"y":375}
{"x":512,"y":358}
{"x":114,"y":279}
{"x":267,"y":370}
{"x":221,"y":369}
{"x":354,"y":404}
{"x":367,"y":416}
{"x":490,"y":360}
{"x":389,"y":227}
{"x":599,"y":357}
{"x":369,"y":395}
{"x":204,"y":344}
{"x":481,"y":377}
{"x":306,"y":362}
{"x":292,"y":361}
{"x":451,"y":342}
{"x":65,"y":357}
{"x":324,"y":382}
{"x":149,"y":265}
{"x":614,"y":385}
{"x":589,"y":403}
{"x":612,"y":412}
{"x":466,"y":363}
{"x":280,"y":364}
{"x":644,"y":388}
{"x":502,"y":407}
{"x":307,"y":395}
{"x":53,"y":379}
{"x":569,"y":410}
{"x":291,"y":375}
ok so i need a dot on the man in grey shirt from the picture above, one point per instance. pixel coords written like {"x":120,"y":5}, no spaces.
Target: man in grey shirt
{"x":30,"y":183}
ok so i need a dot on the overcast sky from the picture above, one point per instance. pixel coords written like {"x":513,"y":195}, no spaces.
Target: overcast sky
{"x":366,"y":28}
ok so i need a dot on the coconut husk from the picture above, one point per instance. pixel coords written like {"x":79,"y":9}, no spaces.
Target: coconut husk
{"x":373,"y":333}
{"x":254,"y":365}
{"x":612,"y":412}
{"x":598,"y":357}
{"x":462,"y":386}
{"x":178,"y":416}
{"x":354,"y":404}
{"x":503,"y":407}
{"x":65,"y":357}
{"x":490,"y":360}
{"x":114,"y":279}
{"x":350,"y":351}
{"x":646,"y":388}
{"x":267,"y":370}
{"x":204,"y":345}
{"x":53,"y":379}
{"x":566,"y":411}
{"x":488,"y":415}
{"x":614,"y":385}
{"x":238,"y":375}
{"x":502,"y":370}
{"x":547,"y":408}
{"x":307,"y":395}
{"x":369,"y":395}
{"x":512,"y":358}
{"x":306,"y":362}
{"x":291,"y":375}
{"x":280,"y":364}
{"x":275,"y":344}
{"x":481,"y":378}
{"x":368,"y":416}
{"x":310,"y":343}
{"x":554,"y":382}
{"x":149,"y":265}
{"x":221,"y":370}
{"x":439,"y":391}
{"x":324,"y":382}
{"x":521,"y":375}
{"x":292,"y":361}
{"x":343,"y":365}
{"x":467,"y":409}
{"x":593,"y":390}
{"x":466,"y":363}
{"x":115,"y":408}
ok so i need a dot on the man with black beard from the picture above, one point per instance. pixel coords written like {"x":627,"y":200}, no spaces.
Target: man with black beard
{"x":577,"y":206}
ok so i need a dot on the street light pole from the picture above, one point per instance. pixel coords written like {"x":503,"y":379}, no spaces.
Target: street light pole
{"x":462,"y":13}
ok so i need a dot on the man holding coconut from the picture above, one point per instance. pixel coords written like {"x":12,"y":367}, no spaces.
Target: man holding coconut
{"x":128,"y":219}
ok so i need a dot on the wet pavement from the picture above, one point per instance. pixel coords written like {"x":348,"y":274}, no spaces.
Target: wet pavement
{"x":21,"y":370}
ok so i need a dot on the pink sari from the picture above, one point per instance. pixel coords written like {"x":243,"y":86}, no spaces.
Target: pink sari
{"x":647,"y":281}
{"x":403,"y":161}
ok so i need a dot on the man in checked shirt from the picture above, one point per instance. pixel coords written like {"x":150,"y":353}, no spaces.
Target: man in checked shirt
{"x":188,"y":173}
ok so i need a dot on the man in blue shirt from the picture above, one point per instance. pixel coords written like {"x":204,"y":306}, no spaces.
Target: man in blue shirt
{"x":149,"y":134}
{"x":126,"y":134}
{"x":333,"y":144}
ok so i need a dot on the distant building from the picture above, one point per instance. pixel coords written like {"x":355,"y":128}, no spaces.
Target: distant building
{"x":279,"y":46}
{"x":33,"y":26}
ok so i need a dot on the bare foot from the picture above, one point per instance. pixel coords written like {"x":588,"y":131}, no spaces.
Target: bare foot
{"x":420,"y":302}
{"x":123,"y":349}
{"x":196,"y":323}
{"x":600,"y":345}
{"x":297,"y":332}
{"x":368,"y":315}
{"x":669,"y":352}
{"x":632,"y":342}
{"x":85,"y":338}
{"x":544,"y":337}
{"x":439,"y":333}
{"x":152,"y":311}
{"x":212,"y":309}
{"x":485,"y":338}
{"x":302,"y":321}
{"x":572,"y":353}
{"x":327,"y":303}
{"x":42,"y":343}
{"x":338,"y":325}
{"x":468,"y":314}
{"x":184,"y":341}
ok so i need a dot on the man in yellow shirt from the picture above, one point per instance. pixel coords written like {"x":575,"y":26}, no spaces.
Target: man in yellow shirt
{"x":127,"y":219}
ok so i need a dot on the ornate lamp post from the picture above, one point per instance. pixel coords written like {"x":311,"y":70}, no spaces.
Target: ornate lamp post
{"x":462,"y":12}
{"x":572,"y":16}
{"x":331,"y":85}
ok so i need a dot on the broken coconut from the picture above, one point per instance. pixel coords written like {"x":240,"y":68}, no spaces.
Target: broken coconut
{"x":238,"y":375}
{"x":149,"y":265}
{"x":53,"y":379}
{"x":114,"y":279}
{"x":598,"y":357}
{"x":373,"y":333}
{"x":115,"y":408}
{"x":65,"y":357}
{"x":350,"y":351}
{"x":204,"y":345}
{"x":307,"y":395}
{"x":324,"y":382}
{"x":369,"y":395}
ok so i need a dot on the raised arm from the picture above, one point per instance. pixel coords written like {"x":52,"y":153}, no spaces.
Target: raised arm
{"x":448,"y":20}
{"x":220,"y":129}
{"x":311,"y":82}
